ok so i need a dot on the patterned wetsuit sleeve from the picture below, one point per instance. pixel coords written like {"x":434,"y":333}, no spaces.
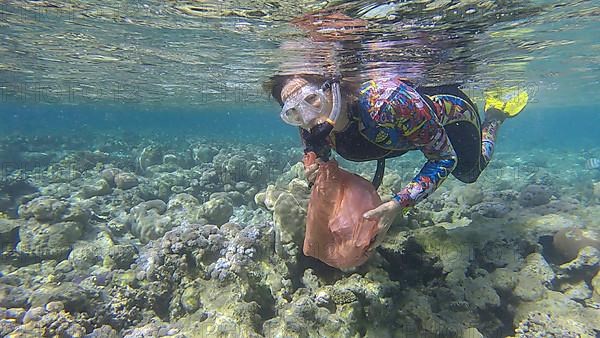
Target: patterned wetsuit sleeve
{"x":431,"y":138}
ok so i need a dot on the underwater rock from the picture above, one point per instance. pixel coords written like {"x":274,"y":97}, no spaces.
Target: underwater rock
{"x":190,"y":300}
{"x":64,"y":266}
{"x":109,"y":174}
{"x":74,"y":297}
{"x":269,"y":197}
{"x":98,"y":188}
{"x":565,"y":312}
{"x":126,"y":302}
{"x":203,"y":153}
{"x":289,"y":206}
{"x":289,"y":217}
{"x":48,"y":209}
{"x":153,"y":329}
{"x":9,"y":230}
{"x":426,"y":316}
{"x":491,"y":209}
{"x":569,"y":241}
{"x":533,"y":278}
{"x":43,"y":209}
{"x":559,"y":206}
{"x":479,"y":293}
{"x":472,"y":333}
{"x":295,"y":171}
{"x":303,"y":318}
{"x":503,"y":279}
{"x":239,"y":167}
{"x":548,"y":225}
{"x":5,"y":202}
{"x":148,"y":220}
{"x":217,"y":210}
{"x":122,"y":256}
{"x":391,"y":183}
{"x":81,"y":161}
{"x":125,"y":180}
{"x":83,"y":256}
{"x":578,"y":291}
{"x":225,"y":280}
{"x":51,"y":321}
{"x":588,"y":258}
{"x":9,"y":320}
{"x":534,"y":195}
{"x":150,"y":155}
{"x":48,"y":240}
{"x":62,"y":175}
{"x":183,"y":203}
{"x":12,"y":296}
{"x":351,"y":305}
{"x":540,"y":324}
{"x":595,"y":284}
{"x":471,"y":195}
{"x":170,"y":159}
{"x":234,"y":196}
{"x":239,"y":252}
{"x":596,"y":190}
{"x":104,"y":331}
{"x":165,"y":182}
{"x":298,"y":187}
{"x":151,"y":219}
{"x":12,"y":188}
{"x":500,"y":254}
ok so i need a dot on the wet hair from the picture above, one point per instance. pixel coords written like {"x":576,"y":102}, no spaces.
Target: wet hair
{"x":276,"y":83}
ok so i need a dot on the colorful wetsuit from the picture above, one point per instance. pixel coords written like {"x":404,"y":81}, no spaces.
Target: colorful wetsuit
{"x":391,"y":117}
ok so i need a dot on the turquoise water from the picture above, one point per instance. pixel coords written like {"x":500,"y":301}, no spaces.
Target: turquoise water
{"x":149,"y":187}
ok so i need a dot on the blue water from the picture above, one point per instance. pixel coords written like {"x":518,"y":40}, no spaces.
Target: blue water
{"x":572,"y":128}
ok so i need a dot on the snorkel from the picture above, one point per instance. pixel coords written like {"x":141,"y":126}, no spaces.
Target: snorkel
{"x":320,"y":132}
{"x":336,"y":101}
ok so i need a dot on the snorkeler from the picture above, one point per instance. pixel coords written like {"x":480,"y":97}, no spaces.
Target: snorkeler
{"x":385,"y":118}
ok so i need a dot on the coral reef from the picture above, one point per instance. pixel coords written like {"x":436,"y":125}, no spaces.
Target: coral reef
{"x":131,"y":237}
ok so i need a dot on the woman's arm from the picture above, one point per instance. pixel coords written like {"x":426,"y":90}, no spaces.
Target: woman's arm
{"x":316,"y":142}
{"x":419,"y":124}
{"x":433,"y":141}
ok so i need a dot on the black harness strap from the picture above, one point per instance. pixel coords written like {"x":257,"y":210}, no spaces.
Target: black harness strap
{"x":379,"y":173}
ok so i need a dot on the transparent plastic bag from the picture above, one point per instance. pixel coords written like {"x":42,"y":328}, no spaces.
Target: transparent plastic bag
{"x":336,"y":232}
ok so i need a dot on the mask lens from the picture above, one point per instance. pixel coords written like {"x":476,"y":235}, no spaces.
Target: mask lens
{"x":304,"y":107}
{"x":291,"y":116}
{"x":314,"y":100}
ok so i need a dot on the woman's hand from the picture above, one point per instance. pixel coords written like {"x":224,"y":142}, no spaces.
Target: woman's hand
{"x":310,"y":171}
{"x":386,"y":213}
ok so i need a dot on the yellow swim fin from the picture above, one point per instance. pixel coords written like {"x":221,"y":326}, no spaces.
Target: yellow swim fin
{"x":510,"y":100}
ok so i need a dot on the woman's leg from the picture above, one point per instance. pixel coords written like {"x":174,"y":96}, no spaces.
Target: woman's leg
{"x":462,"y":124}
{"x":499,"y":104}
{"x":489,"y":129}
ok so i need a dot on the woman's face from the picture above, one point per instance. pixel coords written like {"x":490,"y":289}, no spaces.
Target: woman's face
{"x":294,"y":86}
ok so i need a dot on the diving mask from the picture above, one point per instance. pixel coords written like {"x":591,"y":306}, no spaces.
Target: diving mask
{"x":309,"y":103}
